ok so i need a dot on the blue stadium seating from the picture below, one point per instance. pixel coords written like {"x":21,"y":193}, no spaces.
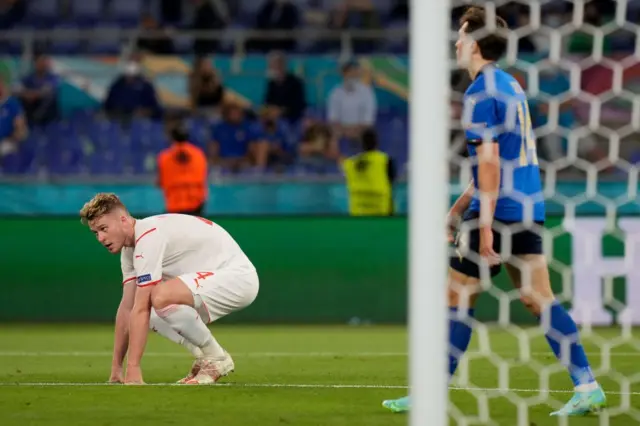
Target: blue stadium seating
{"x":88,"y":145}
{"x":125,"y":14}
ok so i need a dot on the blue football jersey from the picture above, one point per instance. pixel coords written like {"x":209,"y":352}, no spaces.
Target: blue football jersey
{"x":496,"y":111}
{"x":10,"y":109}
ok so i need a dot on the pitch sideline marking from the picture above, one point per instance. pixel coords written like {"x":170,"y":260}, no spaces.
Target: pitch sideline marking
{"x":309,"y":386}
{"x":278,"y":354}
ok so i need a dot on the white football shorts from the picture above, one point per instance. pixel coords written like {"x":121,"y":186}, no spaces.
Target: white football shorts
{"x":219,"y":293}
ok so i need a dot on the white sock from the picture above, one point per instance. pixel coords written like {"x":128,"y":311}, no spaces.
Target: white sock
{"x":186,"y":322}
{"x":163,"y":328}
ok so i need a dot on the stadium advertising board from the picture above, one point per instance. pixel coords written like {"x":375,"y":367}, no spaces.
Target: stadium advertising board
{"x":313,"y":270}
{"x":594,"y":271}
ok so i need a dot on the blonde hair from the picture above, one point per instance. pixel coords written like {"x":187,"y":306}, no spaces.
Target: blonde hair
{"x":100,"y":205}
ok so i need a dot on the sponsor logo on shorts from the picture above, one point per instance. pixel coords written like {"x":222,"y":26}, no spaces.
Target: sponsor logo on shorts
{"x":138,"y":256}
{"x":144,"y":278}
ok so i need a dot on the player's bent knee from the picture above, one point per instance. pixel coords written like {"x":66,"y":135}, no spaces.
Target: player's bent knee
{"x":462,"y":289}
{"x":160,"y":297}
{"x":154,"y":320}
{"x":530,"y":305}
{"x":536,"y":304}
{"x":171,"y":292}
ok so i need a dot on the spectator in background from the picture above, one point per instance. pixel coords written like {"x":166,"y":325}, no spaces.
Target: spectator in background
{"x":206,"y":92}
{"x":317,"y":151}
{"x":272,"y":130}
{"x":400,"y":11}
{"x":132,"y":95}
{"x":370,"y":176}
{"x":13,"y":127}
{"x":38,"y":93}
{"x":158,"y":42}
{"x":182,"y":174}
{"x":285,"y":90}
{"x":12,"y":12}
{"x":526,"y":43}
{"x":171,"y":11}
{"x":236,"y":144}
{"x":275,"y":15}
{"x":352,"y":106}
{"x":359,"y":14}
{"x":207,"y":18}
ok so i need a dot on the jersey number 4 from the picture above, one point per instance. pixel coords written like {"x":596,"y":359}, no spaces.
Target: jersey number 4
{"x":201,"y":276}
{"x":528,"y":153}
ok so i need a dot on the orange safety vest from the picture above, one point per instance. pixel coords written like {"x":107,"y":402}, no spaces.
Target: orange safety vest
{"x":184,"y":185}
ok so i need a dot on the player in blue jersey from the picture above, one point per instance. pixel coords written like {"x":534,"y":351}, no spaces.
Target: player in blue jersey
{"x":502,"y":211}
{"x":13,"y":127}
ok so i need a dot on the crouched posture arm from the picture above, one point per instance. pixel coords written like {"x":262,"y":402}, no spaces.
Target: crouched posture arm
{"x":132,"y":323}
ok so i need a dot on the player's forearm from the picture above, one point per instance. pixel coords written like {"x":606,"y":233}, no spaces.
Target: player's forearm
{"x":121,"y":338}
{"x":489,"y":189}
{"x":138,"y":328}
{"x":463,"y":201}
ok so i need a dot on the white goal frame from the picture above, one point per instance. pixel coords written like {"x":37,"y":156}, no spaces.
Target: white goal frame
{"x":428,"y":203}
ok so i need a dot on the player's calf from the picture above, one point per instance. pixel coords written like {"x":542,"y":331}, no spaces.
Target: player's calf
{"x":173,"y":302}
{"x":529,"y":273}
{"x":463,"y":291}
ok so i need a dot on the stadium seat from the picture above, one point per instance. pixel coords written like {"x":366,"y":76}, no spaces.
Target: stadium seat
{"x":69,"y":45}
{"x":126,"y":12}
{"x":87,"y":12}
{"x":107,"y":162}
{"x":40,"y":11}
{"x":77,"y":145}
{"x":65,"y":156}
{"x":106,"y":39}
{"x":199,"y":131}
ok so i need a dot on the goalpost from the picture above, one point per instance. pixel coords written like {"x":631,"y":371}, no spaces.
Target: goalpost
{"x":590,"y":147}
{"x":428,"y":193}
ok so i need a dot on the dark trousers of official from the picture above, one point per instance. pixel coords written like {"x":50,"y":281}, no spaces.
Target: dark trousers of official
{"x":195,"y":212}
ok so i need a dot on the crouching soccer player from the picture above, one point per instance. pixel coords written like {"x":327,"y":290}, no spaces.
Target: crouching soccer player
{"x":179,"y":273}
{"x":506,"y":194}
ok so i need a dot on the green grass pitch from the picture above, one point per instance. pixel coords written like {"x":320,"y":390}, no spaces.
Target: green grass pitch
{"x":55,"y":375}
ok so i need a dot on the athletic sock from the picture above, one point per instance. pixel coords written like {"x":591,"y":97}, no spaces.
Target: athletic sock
{"x":562,"y":334}
{"x":186,"y":322}
{"x":163,"y":328}
{"x":459,"y":336}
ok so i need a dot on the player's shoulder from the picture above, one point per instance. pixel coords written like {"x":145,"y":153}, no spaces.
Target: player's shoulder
{"x":126,"y":255}
{"x":148,"y":225}
{"x":148,"y":221}
{"x":493,"y":81}
{"x":165,"y":221}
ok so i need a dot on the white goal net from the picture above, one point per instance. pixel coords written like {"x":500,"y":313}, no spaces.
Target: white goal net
{"x":579,"y":63}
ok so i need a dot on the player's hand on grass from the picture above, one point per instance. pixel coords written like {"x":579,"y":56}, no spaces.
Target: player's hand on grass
{"x":134,"y":375}
{"x":486,"y":247}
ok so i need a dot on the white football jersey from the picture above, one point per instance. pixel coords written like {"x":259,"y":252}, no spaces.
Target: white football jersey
{"x":169,"y":245}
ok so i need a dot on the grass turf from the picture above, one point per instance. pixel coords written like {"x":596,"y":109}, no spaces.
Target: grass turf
{"x":55,"y":375}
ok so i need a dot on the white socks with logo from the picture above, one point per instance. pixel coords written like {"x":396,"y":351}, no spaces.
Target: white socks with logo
{"x":185,"y":322}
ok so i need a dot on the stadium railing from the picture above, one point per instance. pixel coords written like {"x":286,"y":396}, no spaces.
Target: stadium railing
{"x":234,"y":39}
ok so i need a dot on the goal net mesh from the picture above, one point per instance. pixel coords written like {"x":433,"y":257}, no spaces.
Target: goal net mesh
{"x":579,"y":63}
